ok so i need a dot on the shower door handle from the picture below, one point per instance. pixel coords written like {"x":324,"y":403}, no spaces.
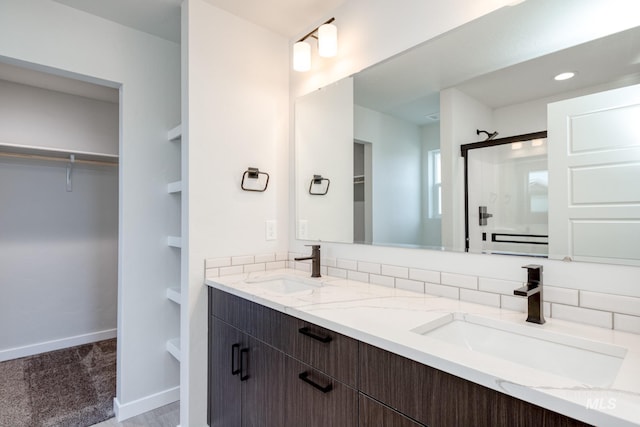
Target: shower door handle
{"x":483,"y":215}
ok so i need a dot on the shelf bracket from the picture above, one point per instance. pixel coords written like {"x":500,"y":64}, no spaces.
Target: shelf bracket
{"x":72,"y":159}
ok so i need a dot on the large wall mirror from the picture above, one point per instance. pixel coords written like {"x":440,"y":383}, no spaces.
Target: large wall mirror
{"x":388,"y":139}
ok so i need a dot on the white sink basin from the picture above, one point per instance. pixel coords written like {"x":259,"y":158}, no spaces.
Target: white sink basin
{"x":286,"y":284}
{"x":589,"y":362}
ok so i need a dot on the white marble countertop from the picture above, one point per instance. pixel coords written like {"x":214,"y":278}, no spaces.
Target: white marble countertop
{"x":384,"y":317}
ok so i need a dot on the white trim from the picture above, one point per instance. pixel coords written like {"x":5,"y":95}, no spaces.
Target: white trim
{"x":43,"y":347}
{"x":145,"y":404}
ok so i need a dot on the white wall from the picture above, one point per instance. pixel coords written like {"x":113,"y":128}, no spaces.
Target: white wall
{"x":374,"y":30}
{"x":432,"y":226}
{"x":49,"y":35}
{"x":235,"y":115}
{"x":397,"y":179}
{"x":71,"y":238}
{"x":324,"y":123}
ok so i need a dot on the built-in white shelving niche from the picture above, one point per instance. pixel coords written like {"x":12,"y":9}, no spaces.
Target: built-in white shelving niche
{"x":173,"y":347}
{"x":174,"y":295}
{"x":174,"y":241}
{"x":175,"y":134}
{"x":174,"y":187}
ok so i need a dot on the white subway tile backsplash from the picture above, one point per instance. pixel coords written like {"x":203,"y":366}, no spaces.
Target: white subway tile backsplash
{"x":369,"y":267}
{"x":265,"y":258}
{"x":484,"y":298}
{"x":424,"y":275}
{"x":546,"y":309}
{"x":513,"y":303}
{"x":324,"y":270}
{"x":460,"y":280}
{"x":608,"y":302}
{"x":251,"y":268}
{"x":623,"y":322}
{"x":329,"y":262}
{"x":560,"y":295}
{"x":241,"y":260}
{"x":282,"y":256}
{"x":336,"y":272}
{"x":347,"y":264}
{"x":442,"y":290}
{"x":382,"y":280}
{"x":395,"y":271}
{"x":602,"y":319}
{"x":218,"y":262}
{"x":210,"y":273}
{"x":276,"y":265}
{"x":302,"y":266}
{"x":498,"y":286}
{"x":358,"y":276}
{"x":410,"y":285}
{"x":227,"y":271}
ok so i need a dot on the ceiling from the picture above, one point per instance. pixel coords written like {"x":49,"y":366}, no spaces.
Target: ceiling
{"x":504,"y":58}
{"x":162,"y":17}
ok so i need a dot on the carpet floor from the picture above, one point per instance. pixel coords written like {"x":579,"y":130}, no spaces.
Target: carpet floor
{"x":72,"y":387}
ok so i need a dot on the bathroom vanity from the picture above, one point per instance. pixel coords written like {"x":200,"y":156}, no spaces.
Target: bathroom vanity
{"x":288,"y":350}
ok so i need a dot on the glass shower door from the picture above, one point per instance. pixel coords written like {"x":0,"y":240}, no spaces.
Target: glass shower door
{"x":507,"y":198}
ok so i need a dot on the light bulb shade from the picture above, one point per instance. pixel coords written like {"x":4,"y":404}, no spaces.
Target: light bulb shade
{"x":302,"y":56}
{"x":327,"y":40}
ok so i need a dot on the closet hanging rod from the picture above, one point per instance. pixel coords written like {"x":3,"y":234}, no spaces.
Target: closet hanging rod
{"x":56,"y":159}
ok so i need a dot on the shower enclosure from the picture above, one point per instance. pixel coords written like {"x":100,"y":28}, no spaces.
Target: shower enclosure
{"x":506,"y":195}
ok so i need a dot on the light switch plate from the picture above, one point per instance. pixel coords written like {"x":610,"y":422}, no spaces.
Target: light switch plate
{"x":303,"y":229}
{"x":270,"y":230}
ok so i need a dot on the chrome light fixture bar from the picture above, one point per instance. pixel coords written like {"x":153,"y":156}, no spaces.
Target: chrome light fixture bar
{"x":327,"y":36}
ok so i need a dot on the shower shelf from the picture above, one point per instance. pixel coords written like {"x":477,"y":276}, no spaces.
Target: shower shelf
{"x":174,"y":187}
{"x":173,"y":347}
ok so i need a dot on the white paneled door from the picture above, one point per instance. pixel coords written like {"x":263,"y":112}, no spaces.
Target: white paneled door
{"x":594,"y":177}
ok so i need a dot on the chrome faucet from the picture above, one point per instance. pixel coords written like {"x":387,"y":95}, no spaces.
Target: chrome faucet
{"x":533,"y":291}
{"x":315,"y":260}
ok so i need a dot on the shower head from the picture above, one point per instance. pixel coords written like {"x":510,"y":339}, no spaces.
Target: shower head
{"x":489,"y":135}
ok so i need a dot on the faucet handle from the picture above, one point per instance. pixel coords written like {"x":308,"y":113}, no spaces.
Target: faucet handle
{"x":314,"y":246}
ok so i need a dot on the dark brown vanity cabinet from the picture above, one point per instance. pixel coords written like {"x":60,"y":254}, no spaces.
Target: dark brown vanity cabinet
{"x":270,"y":369}
{"x":246,"y":379}
{"x":436,"y":398}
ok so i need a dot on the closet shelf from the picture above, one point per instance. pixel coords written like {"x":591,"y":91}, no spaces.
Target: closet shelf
{"x":174,"y":241}
{"x":174,"y":187}
{"x":175,"y":134}
{"x":174,"y":295}
{"x":173,"y":347}
{"x":55,"y":154}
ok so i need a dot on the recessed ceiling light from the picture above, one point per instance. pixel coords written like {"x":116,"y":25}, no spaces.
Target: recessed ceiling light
{"x":565,"y":76}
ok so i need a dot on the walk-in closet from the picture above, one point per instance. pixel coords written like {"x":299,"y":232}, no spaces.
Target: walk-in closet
{"x":58,"y":214}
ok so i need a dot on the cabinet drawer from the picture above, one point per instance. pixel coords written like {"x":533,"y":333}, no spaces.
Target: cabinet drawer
{"x":325,"y":350}
{"x":436,"y":398}
{"x":317,"y":400}
{"x":375,"y":414}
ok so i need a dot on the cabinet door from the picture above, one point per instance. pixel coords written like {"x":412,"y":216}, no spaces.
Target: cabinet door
{"x":262,"y":386}
{"x":313,"y":399}
{"x":375,"y":414}
{"x":225,"y":395}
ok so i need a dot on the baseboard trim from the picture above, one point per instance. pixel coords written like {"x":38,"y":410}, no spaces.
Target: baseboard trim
{"x":145,"y":404}
{"x":43,"y":347}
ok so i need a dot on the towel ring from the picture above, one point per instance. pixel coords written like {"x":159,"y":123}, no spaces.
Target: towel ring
{"x":317,"y":180}
{"x":254,"y":173}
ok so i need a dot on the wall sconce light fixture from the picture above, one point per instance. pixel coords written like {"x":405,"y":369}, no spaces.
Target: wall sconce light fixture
{"x":327,"y":35}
